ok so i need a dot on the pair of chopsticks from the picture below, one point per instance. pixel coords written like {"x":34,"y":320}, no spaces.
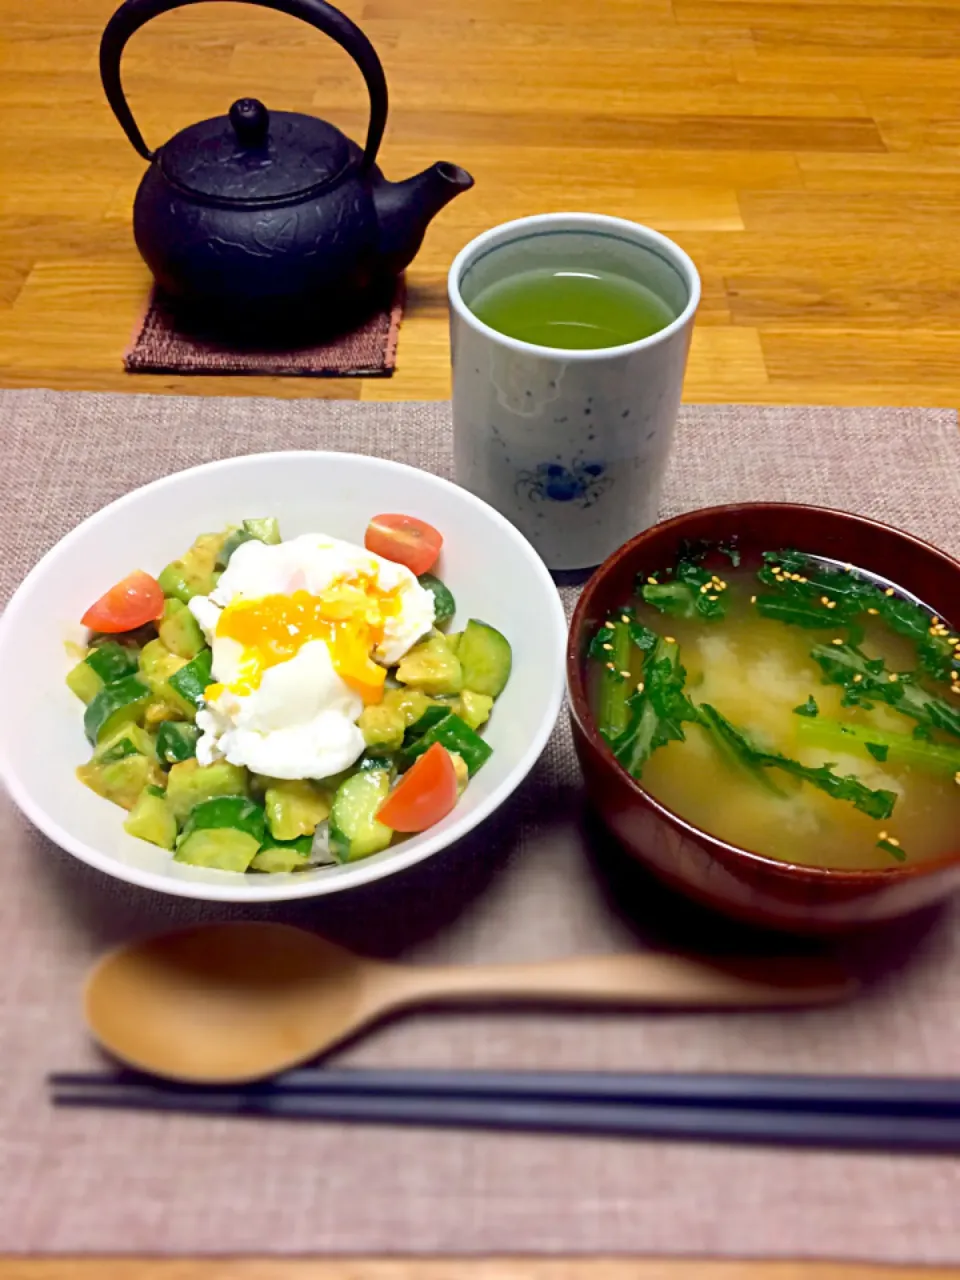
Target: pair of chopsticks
{"x":847,"y":1112}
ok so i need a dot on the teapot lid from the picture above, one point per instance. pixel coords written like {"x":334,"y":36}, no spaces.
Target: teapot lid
{"x":254,"y":156}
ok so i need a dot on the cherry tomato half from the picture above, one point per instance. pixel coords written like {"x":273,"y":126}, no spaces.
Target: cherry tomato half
{"x":425,"y":794}
{"x":405,"y":540}
{"x":129,"y":604}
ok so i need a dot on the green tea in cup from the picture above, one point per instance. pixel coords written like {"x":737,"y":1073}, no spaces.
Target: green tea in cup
{"x":575,"y":309}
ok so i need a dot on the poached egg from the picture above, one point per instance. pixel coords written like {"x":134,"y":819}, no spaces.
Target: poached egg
{"x":302,"y":633}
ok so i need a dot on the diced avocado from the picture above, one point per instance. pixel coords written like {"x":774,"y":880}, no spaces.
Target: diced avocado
{"x":195,"y":573}
{"x":432,"y":667}
{"x":444,"y":605}
{"x":160,"y":712}
{"x":354,"y":829}
{"x":112,"y":661}
{"x":461,"y":770}
{"x":177,"y":741}
{"x":411,"y":703}
{"x":190,"y":682}
{"x":127,"y":740}
{"x":475,"y":708}
{"x":294,"y":807}
{"x":382,"y":727}
{"x":182,"y":635}
{"x":288,"y":855}
{"x":115,"y":705}
{"x":219,"y":849}
{"x":120,"y":780}
{"x":485,"y":658}
{"x":151,"y":819}
{"x":190,"y":784}
{"x":84,"y":682}
{"x":157,"y":665}
{"x":171,"y":606}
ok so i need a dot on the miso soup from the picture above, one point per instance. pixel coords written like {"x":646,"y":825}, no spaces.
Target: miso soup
{"x":798,"y":708}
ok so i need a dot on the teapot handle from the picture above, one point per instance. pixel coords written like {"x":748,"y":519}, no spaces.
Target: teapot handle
{"x":133,"y":14}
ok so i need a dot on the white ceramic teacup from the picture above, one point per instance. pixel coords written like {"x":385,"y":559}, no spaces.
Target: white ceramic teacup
{"x":570,"y":445}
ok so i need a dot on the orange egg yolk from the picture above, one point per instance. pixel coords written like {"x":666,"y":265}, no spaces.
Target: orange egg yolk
{"x":349,"y":617}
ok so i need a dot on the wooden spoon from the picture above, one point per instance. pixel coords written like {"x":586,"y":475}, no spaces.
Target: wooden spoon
{"x":234,"y":1002}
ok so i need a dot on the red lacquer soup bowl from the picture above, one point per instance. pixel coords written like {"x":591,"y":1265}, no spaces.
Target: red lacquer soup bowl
{"x":736,"y":881}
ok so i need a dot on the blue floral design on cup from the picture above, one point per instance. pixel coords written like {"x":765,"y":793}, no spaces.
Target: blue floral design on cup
{"x":581,"y":482}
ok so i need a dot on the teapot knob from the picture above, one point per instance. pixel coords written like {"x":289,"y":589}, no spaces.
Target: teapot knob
{"x":251,"y":121}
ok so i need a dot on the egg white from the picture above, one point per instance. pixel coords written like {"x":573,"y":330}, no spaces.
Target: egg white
{"x":301,"y":722}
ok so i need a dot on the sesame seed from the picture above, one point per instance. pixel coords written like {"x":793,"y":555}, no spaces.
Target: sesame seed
{"x":669,"y":639}
{"x":956,"y":778}
{"x":848,"y":568}
{"x":640,"y":687}
{"x":838,"y":641}
{"x":625,"y":674}
{"x":955,"y":675}
{"x":831,"y":604}
{"x":893,"y":677}
{"x":799,"y":579}
{"x":934,"y":619}
{"x":624,"y":617}
{"x":955,"y":688}
{"x":894,"y":841}
{"x":873,"y":611}
{"x":889,"y":591}
{"x":857,"y":678}
{"x":883,"y":835}
{"x":712,"y":598}
{"x":608,"y":647}
{"x":705,"y":588}
{"x":753,"y":599}
{"x":824,"y":599}
{"x":652,"y":582}
{"x":611,"y":666}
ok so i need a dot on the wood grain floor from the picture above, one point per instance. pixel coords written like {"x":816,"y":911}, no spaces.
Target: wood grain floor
{"x":806,"y":154}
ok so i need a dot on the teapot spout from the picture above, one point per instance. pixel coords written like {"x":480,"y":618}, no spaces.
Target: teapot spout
{"x":404,"y":210}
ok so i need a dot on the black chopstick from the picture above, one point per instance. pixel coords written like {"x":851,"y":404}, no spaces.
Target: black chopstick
{"x":900,"y":1095}
{"x":928,"y":1134}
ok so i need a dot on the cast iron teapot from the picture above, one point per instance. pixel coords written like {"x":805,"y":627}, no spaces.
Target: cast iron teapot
{"x":271,"y":214}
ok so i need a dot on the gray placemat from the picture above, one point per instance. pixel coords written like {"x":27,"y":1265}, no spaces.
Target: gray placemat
{"x":539,"y":881}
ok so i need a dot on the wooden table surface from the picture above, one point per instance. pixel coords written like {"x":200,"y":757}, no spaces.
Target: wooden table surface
{"x":807,"y":155}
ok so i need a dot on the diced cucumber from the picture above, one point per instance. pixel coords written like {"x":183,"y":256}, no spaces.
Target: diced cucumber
{"x":115,"y":705}
{"x":485,"y":658}
{"x":475,"y":708}
{"x":220,"y":849}
{"x":457,"y":736}
{"x":112,"y":661}
{"x":182,"y":635}
{"x":171,"y":606}
{"x":84,"y":682}
{"x":151,"y":819}
{"x":128,"y":739}
{"x":120,"y":780}
{"x":157,"y":666}
{"x":382,"y":727}
{"x":191,"y":681}
{"x":433,"y":714}
{"x":432,"y":667}
{"x":190,"y":784}
{"x":177,"y":741}
{"x":354,"y":829}
{"x":444,"y":605}
{"x":267,"y":531}
{"x":294,"y":807}
{"x":238,"y":813}
{"x":287,"y":855}
{"x":453,"y":641}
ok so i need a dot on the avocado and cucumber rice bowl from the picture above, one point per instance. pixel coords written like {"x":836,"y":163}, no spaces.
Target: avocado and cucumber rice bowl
{"x":273,"y":706}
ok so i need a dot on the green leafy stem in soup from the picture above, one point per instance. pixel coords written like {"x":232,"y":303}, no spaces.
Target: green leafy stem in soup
{"x":643,"y":701}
